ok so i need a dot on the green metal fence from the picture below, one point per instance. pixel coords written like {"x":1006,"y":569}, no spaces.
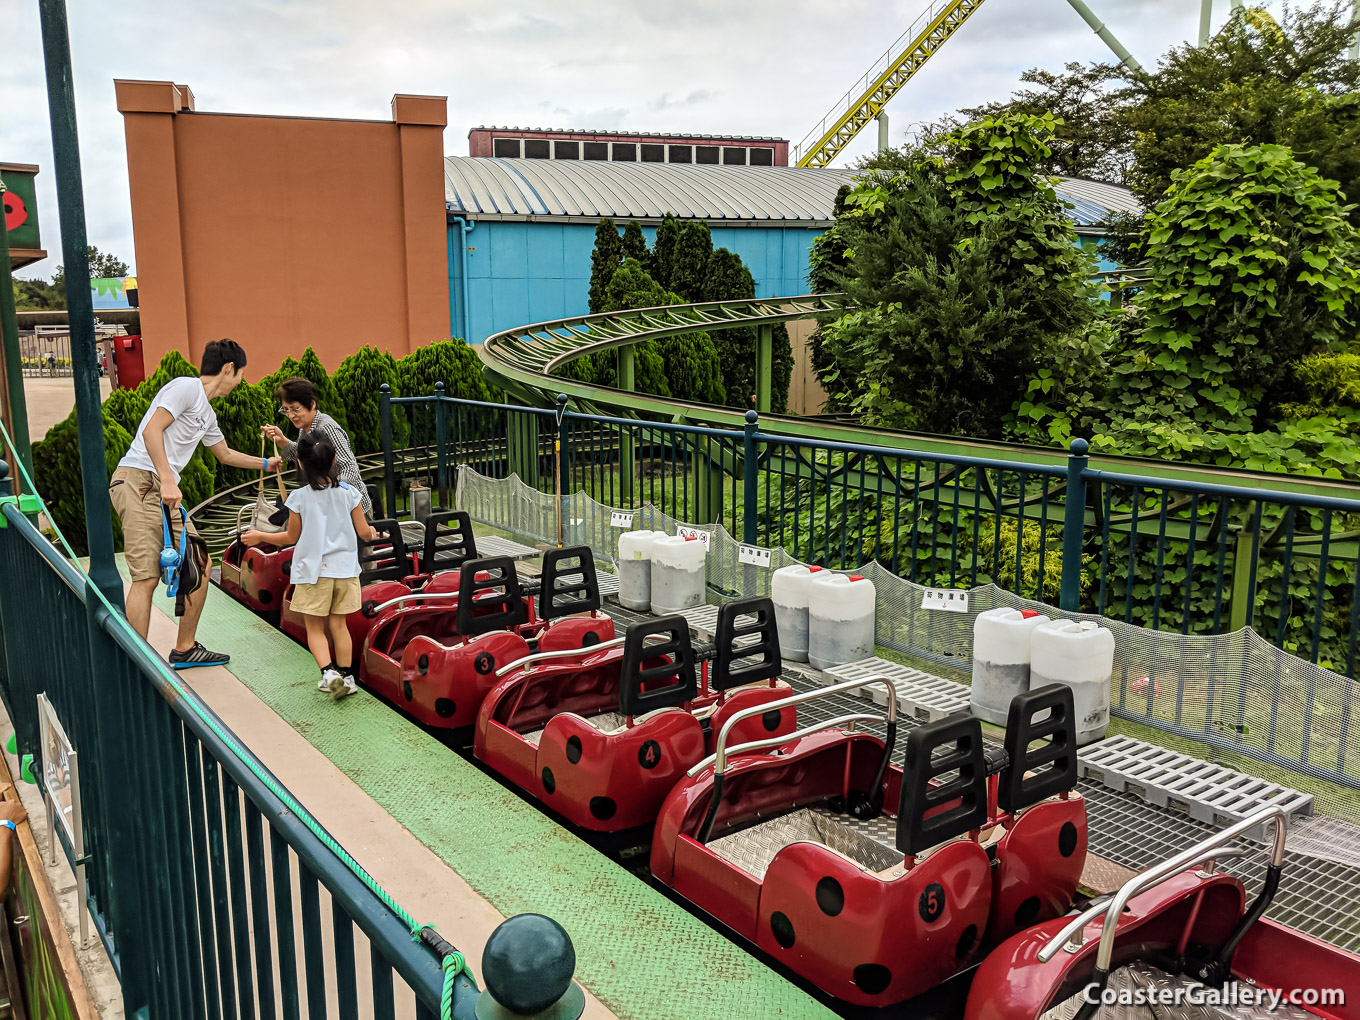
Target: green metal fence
{"x":215,"y":893}
{"x":1165,"y":553}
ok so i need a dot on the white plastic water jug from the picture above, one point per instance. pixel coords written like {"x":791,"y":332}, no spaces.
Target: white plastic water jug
{"x":635,"y":568}
{"x":840,"y":619}
{"x":1080,"y":655}
{"x":1001,"y":643}
{"x":677,"y":574}
{"x":789,"y":592}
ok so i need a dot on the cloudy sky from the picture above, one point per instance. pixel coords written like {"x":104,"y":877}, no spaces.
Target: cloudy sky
{"x":765,"y":67}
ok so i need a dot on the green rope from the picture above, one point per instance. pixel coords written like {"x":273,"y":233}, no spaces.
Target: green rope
{"x":453,"y":966}
{"x":453,"y":962}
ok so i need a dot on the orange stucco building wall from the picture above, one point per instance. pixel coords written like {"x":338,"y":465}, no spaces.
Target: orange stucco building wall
{"x":286,"y":232}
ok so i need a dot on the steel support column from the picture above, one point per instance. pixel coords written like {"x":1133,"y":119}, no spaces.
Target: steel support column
{"x":764,"y":367}
{"x":61,"y":104}
{"x":627,"y":453}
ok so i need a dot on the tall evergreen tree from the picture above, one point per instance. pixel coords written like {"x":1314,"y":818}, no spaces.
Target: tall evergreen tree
{"x":692,"y":251}
{"x":634,"y":243}
{"x":726,"y":278}
{"x":661,"y":265}
{"x":604,"y":261}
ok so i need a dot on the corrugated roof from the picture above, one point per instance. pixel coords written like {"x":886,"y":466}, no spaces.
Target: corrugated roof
{"x":522,"y":189}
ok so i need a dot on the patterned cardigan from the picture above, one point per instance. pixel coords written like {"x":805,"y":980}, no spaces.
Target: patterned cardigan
{"x":346,"y":467}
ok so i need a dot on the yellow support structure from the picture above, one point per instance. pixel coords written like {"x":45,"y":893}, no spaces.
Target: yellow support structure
{"x":882,"y":81}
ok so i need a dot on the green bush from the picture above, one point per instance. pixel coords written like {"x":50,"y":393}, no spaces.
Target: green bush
{"x":451,"y":362}
{"x":358,"y":380}
{"x":239,"y":415}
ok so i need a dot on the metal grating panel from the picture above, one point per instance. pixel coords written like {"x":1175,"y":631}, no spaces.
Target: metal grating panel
{"x":609,"y":583}
{"x":925,"y":697}
{"x":1317,"y":897}
{"x":1210,"y":793}
{"x":703,"y":621}
{"x":494,"y":545}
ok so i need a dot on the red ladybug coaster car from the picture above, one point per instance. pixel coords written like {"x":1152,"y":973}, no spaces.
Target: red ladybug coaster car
{"x":872,"y":881}
{"x":602,"y":740}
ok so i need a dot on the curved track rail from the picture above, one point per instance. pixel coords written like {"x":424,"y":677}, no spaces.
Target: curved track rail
{"x":522,"y":361}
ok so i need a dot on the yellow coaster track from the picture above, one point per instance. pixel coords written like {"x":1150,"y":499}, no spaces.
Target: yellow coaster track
{"x":883,"y":80}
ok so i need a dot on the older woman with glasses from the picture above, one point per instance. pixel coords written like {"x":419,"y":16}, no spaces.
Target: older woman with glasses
{"x":297,"y":403}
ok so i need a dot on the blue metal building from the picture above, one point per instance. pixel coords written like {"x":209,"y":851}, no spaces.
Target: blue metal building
{"x":521,"y":230}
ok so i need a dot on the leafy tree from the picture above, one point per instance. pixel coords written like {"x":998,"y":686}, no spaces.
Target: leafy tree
{"x":661,"y":263}
{"x":1257,"y":82}
{"x":604,"y":261}
{"x":358,"y":380}
{"x":963,"y":269}
{"x":1091,"y":139}
{"x":1253,"y":265}
{"x":102,"y":266}
{"x":37,"y":295}
{"x":693,"y":248}
{"x":634,"y":243}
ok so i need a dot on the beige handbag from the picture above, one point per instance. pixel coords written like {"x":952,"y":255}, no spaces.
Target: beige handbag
{"x":263,"y":512}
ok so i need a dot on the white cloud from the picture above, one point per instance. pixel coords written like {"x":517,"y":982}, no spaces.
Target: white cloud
{"x":763,"y":67}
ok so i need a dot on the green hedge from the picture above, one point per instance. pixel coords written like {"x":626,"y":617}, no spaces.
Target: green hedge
{"x":350,"y":396}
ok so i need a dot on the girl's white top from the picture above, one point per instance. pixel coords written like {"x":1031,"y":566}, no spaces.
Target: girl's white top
{"x":328,"y":546}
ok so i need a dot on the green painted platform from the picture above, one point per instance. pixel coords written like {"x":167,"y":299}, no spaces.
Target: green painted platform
{"x":642,"y":955}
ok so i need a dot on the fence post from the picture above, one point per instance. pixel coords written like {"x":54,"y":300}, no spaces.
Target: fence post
{"x":441,"y":469}
{"x":560,"y":456}
{"x":61,"y":104}
{"x":751,"y":494}
{"x":627,"y":455}
{"x":1074,"y":527}
{"x":389,"y":469}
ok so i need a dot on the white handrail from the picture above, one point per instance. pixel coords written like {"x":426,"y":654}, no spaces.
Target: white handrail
{"x":719,"y":755}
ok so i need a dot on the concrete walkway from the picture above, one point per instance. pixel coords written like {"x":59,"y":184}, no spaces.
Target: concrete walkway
{"x":50,"y":401}
{"x":457,"y":849}
{"x":425,"y":886}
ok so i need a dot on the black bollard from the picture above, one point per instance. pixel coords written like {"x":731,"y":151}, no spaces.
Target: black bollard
{"x":527,"y":968}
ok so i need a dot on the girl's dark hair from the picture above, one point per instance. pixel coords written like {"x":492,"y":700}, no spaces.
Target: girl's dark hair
{"x":316,"y":458}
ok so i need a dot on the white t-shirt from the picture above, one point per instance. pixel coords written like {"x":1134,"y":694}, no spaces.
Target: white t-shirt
{"x":194,"y":421}
{"x":328,"y":546}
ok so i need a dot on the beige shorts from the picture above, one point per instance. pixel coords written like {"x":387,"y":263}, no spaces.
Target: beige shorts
{"x":329,"y":596}
{"x":136,"y":498}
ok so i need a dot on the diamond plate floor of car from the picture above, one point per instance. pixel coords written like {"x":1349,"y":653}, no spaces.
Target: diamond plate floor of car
{"x":752,"y":849}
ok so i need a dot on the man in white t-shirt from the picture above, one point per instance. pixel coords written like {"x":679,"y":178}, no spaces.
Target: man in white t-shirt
{"x":147,"y":478}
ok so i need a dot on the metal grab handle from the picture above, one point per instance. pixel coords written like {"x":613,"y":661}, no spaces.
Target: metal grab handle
{"x":1072,"y":932}
{"x":413,"y":597}
{"x":720,"y":752}
{"x":1113,"y":908}
{"x":561,"y":653}
{"x":756,"y":745}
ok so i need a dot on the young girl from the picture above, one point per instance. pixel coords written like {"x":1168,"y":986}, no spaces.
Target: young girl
{"x":325,"y":520}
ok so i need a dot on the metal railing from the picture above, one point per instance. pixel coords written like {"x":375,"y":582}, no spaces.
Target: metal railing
{"x":215,"y":893}
{"x":1165,"y":553}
